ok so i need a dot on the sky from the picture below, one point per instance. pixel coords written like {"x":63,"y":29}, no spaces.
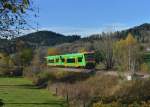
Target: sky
{"x":86,"y":17}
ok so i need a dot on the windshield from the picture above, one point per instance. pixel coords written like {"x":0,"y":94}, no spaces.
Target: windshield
{"x":89,"y":56}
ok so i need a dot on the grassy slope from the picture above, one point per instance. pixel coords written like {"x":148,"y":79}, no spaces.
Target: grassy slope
{"x":19,"y":92}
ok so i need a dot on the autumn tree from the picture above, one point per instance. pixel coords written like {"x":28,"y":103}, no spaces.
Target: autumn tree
{"x":6,"y":64}
{"x":120,"y":54}
{"x":52,"y":51}
{"x":12,"y":16}
{"x":82,"y":49}
{"x":127,"y":53}
{"x":26,"y":56}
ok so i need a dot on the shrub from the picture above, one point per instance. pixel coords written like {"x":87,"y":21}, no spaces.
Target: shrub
{"x":43,"y":78}
{"x":81,"y":92}
{"x":144,"y":67}
{"x":130,"y":92}
{"x":113,"y":104}
{"x":104,"y":91}
{"x":117,"y":104}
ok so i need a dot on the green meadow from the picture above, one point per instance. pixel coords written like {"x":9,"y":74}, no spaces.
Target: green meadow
{"x":20,"y":92}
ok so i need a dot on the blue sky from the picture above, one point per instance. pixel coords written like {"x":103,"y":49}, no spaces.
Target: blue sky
{"x":86,"y":17}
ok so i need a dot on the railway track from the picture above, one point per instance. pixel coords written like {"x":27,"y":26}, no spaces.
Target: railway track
{"x":72,"y":69}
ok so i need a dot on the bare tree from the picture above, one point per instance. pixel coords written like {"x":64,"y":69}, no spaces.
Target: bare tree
{"x":105,"y":47}
{"x":12,"y":13}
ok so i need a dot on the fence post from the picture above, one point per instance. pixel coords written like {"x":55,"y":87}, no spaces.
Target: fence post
{"x":56,"y":92}
{"x":67,"y":99}
{"x":83,"y":103}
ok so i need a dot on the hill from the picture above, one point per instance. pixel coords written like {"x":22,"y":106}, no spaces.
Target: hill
{"x":142,"y":32}
{"x":47,"y":38}
{"x":35,"y":40}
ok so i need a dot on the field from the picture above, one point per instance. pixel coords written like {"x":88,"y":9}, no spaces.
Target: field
{"x":19,"y":92}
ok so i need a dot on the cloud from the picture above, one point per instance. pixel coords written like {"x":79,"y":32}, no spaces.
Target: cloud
{"x":74,"y":30}
{"x":83,"y":31}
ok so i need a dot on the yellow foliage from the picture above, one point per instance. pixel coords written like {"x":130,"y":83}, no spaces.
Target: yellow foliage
{"x":82,"y":49}
{"x":126,"y":52}
{"x":144,"y":67}
{"x":113,"y":104}
{"x":4,"y":59}
{"x":52,"y":51}
{"x":130,"y":40}
{"x":116,"y":104}
{"x":120,"y":53}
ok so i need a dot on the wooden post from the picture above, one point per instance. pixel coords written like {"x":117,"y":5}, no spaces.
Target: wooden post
{"x":83,"y":103}
{"x":67,"y":99}
{"x":56,"y":91}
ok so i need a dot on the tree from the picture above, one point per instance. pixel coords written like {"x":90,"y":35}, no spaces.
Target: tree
{"x":82,"y":49}
{"x":120,"y":55}
{"x":6,"y":64}
{"x":127,"y":53}
{"x":52,"y":51}
{"x":105,"y":47}
{"x":11,"y":16}
{"x":37,"y":64}
{"x":26,"y":56}
{"x":131,"y":44}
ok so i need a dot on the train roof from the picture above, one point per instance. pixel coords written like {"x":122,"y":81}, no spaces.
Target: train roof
{"x":71,"y":54}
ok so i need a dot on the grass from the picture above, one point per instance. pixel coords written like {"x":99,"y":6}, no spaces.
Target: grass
{"x":20,"y":92}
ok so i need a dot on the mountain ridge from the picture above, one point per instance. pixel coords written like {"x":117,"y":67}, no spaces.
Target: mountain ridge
{"x":49,"y":38}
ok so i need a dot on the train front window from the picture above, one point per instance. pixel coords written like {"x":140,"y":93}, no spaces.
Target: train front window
{"x":80,"y":59}
{"x":71,"y":60}
{"x":89,"y":56}
{"x":57,"y":60}
{"x":51,"y":61}
{"x":63,"y":60}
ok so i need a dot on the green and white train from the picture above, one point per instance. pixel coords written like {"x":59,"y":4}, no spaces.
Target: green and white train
{"x":84,"y":60}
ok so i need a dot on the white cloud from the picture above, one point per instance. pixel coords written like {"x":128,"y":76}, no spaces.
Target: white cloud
{"x":83,"y":31}
{"x":74,"y":30}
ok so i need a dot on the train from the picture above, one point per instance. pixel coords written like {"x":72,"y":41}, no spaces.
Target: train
{"x":77,"y":60}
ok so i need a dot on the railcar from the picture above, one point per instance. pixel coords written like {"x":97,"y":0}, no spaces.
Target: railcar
{"x":84,"y":60}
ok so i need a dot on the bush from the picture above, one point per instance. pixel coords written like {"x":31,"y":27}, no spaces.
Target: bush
{"x":43,"y":78}
{"x":113,"y":104}
{"x":144,"y":67}
{"x":81,"y":92}
{"x":132,"y":94}
{"x":117,"y":104}
{"x":58,"y":76}
{"x":7,"y":66}
{"x":106,"y":89}
{"x":134,"y":91}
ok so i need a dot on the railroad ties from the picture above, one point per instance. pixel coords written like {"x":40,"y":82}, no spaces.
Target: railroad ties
{"x":72,"y":69}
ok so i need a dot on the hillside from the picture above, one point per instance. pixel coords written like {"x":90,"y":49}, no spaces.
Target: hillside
{"x":142,"y":32}
{"x":35,"y":40}
{"x":47,"y":38}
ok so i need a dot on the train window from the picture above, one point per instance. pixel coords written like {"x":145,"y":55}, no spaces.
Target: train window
{"x":51,"y":61}
{"x":63,"y":60}
{"x":80,"y":59}
{"x":89,"y":55}
{"x":71,"y":60}
{"x":57,"y":60}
